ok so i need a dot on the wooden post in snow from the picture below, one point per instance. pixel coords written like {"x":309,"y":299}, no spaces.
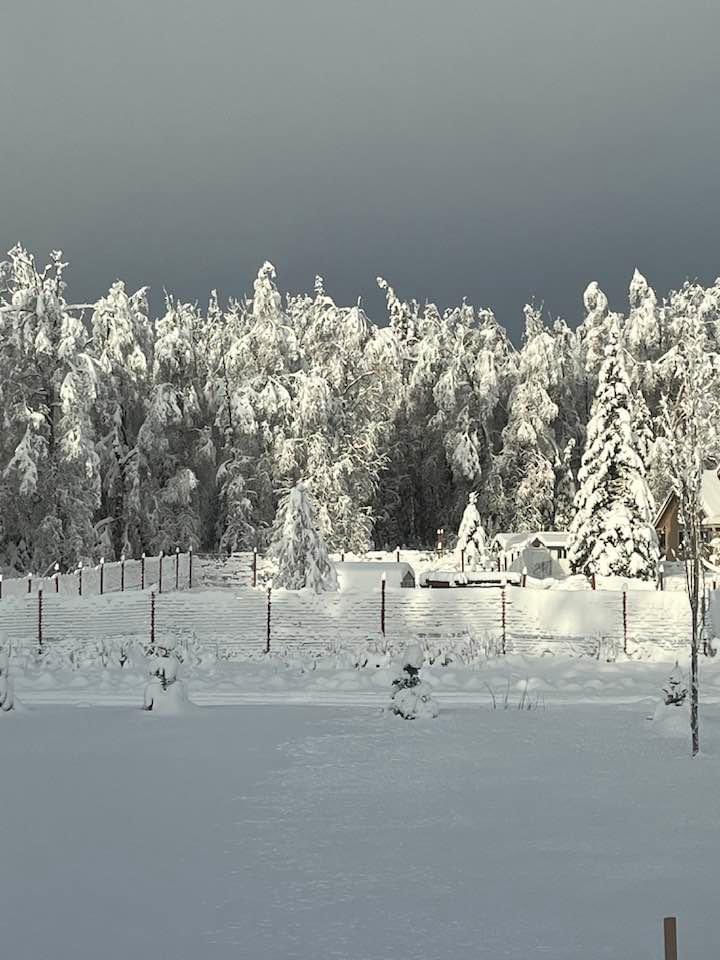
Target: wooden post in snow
{"x":670,"y":937}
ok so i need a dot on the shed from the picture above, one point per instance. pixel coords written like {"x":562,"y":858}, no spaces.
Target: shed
{"x":365,"y":576}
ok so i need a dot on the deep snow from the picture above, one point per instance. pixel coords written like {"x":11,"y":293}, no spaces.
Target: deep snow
{"x":311,"y":832}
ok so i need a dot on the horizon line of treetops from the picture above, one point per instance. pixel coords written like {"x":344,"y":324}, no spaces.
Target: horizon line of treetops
{"x":125,"y":434}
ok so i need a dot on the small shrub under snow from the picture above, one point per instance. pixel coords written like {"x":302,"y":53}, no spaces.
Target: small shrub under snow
{"x":412,"y":699}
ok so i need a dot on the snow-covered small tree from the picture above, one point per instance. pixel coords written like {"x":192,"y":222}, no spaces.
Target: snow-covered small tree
{"x":675,"y":689}
{"x":164,"y":691}
{"x":7,"y":695}
{"x":299,"y":550}
{"x":471,"y":544}
{"x":412,"y":698}
{"x":613,"y":526}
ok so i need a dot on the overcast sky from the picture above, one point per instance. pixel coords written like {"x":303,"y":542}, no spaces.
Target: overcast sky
{"x":494,"y":149}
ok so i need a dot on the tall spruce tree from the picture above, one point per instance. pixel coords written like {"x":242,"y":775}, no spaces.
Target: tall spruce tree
{"x":613,"y":525}
{"x":300,"y":552}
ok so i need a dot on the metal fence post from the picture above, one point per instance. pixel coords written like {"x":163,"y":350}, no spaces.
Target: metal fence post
{"x":142,"y":571}
{"x":122,"y":573}
{"x":152,"y":619}
{"x":29,"y":578}
{"x":177,"y":568}
{"x":503,"y":616}
{"x":397,"y":554}
{"x":1,"y":583}
{"x":254,"y":567}
{"x":162,"y":554}
{"x":269,"y":609}
{"x":56,"y":577}
{"x":40,"y":621}
{"x":102,"y":575}
{"x":462,"y":560}
{"x":383,"y":584}
{"x":190,"y":560}
{"x":79,"y":567}
{"x":625,"y":621}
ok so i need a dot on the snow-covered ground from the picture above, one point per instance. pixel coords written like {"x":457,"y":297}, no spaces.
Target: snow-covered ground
{"x":316,"y":832}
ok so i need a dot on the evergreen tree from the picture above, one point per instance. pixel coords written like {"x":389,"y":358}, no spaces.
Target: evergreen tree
{"x":298,"y":548}
{"x":613,"y":526}
{"x":471,"y":544}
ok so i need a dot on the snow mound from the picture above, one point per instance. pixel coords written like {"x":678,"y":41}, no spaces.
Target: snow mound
{"x":671,"y":721}
{"x":167,"y":701}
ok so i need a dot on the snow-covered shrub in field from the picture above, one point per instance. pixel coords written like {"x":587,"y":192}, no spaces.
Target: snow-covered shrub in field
{"x":164,"y":692}
{"x":675,"y":689}
{"x":7,"y":697}
{"x":301,"y":554}
{"x":411,"y":698}
{"x":470,"y":549}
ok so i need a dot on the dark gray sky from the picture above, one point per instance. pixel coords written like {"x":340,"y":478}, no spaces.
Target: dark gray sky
{"x":497,"y":149}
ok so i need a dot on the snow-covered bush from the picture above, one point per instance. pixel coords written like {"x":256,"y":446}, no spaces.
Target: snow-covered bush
{"x":675,"y":689}
{"x":164,"y":692}
{"x":412,"y":699}
{"x":7,"y":696}
{"x":471,"y":538}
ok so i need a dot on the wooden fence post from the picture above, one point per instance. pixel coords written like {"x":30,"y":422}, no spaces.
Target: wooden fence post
{"x":503,"y":616}
{"x":523,"y":579}
{"x":269,"y":616}
{"x":383,"y":584}
{"x":254,"y":567}
{"x":397,"y":554}
{"x":670,"y":936}
{"x":593,"y":581}
{"x":462,"y":560}
{"x":177,"y":568}
{"x":40,"y":621}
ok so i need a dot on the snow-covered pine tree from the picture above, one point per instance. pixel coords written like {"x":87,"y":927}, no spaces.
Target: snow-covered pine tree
{"x":613,"y":525}
{"x":412,"y":698}
{"x":50,"y":469}
{"x":471,"y":545}
{"x":300,"y":553}
{"x":121,"y":346}
{"x":529,"y":448}
{"x":675,"y":689}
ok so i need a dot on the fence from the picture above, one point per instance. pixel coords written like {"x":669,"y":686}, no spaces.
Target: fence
{"x":162,"y":573}
{"x":245,"y":621}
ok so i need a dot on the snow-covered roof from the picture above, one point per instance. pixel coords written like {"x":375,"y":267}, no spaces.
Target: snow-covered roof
{"x":517,"y":541}
{"x":710,"y":496}
{"x":366,"y":575}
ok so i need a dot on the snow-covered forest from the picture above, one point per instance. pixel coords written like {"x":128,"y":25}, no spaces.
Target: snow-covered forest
{"x":125,"y":433}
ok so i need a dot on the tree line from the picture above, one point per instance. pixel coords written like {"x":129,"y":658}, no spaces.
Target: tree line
{"x":124,"y":433}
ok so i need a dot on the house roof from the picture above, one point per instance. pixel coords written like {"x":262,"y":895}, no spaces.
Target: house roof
{"x":709,"y":495}
{"x":548,"y":538}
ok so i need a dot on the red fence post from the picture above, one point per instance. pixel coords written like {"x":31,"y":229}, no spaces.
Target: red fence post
{"x":383,"y":584}
{"x":190,"y":559}
{"x":254,"y":567}
{"x":625,"y":618}
{"x":503,"y":614}
{"x":122,"y":573}
{"x":79,"y":578}
{"x":670,"y":937}
{"x":162,"y":554}
{"x":269,"y":609}
{"x":152,"y":619}
{"x":102,"y":575}
{"x":177,"y":568}
{"x":40,"y":623}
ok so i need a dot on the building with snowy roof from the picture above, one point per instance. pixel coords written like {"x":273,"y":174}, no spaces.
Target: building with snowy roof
{"x":667,"y":522}
{"x":509,"y":548}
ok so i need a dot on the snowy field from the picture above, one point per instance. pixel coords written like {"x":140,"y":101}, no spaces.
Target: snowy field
{"x":325,"y":832}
